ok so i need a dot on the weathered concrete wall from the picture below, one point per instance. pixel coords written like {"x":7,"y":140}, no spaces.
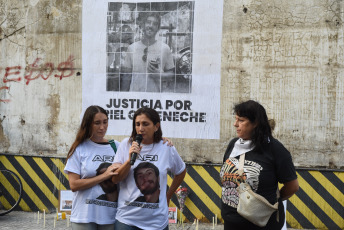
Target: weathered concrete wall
{"x":286,"y":54}
{"x":40,"y":68}
{"x":289,"y":55}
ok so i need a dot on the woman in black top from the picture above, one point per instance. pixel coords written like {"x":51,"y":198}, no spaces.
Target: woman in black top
{"x":267,"y":163}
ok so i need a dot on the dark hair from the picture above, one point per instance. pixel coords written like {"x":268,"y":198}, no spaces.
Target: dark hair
{"x":145,"y":165}
{"x":103,"y":165}
{"x":151,"y":14}
{"x":154,"y":117}
{"x":85,"y":129}
{"x":256,"y":113}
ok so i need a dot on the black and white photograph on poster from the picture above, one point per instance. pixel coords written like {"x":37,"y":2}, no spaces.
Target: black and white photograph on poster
{"x":149,"y":46}
{"x":165,"y":55}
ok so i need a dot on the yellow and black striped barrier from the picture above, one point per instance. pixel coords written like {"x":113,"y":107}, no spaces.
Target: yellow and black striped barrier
{"x":319,"y":204}
{"x":42,"y":178}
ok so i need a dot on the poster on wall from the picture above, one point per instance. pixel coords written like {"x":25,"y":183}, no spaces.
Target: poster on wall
{"x":165,"y":55}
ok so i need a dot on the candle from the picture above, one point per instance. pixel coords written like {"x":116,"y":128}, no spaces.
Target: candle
{"x":63,"y":216}
{"x":38,"y":217}
{"x":44,"y":218}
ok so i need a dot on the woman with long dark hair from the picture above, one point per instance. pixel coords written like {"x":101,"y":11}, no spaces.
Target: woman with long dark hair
{"x":267,"y":162}
{"x":90,"y":176}
{"x":143,"y":195}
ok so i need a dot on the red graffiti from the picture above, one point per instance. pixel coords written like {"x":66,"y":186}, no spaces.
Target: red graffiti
{"x":4,"y":100}
{"x":36,"y":70}
{"x":65,"y":67}
{"x":48,"y":68}
{"x":9,"y":73}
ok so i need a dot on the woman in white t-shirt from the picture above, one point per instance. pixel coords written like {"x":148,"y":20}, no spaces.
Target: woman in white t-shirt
{"x":89,"y":167}
{"x":143,"y":196}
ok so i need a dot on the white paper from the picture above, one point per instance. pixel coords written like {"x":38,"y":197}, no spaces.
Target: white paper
{"x":190,"y":103}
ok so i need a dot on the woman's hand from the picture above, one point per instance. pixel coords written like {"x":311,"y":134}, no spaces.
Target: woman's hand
{"x":111,"y":170}
{"x":135,"y":148}
{"x":169,"y":142}
{"x":77,"y":183}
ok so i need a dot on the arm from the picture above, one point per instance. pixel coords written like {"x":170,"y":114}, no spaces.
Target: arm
{"x":122,"y":172}
{"x":177,"y":180}
{"x":124,"y":169}
{"x":76,"y":183}
{"x":288,"y":189}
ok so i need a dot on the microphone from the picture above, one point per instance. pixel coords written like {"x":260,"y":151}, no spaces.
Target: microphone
{"x":138,"y":139}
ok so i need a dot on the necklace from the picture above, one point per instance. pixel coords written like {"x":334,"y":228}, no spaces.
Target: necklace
{"x":147,"y":148}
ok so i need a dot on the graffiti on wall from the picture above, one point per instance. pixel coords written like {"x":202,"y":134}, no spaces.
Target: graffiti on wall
{"x":36,"y":70}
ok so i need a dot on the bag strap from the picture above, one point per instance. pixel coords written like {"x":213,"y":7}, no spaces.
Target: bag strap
{"x":113,"y":145}
{"x":229,"y":149}
{"x":241,"y":171}
{"x":241,"y":165}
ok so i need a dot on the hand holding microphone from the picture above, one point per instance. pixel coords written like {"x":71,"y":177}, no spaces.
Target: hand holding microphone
{"x":138,"y":139}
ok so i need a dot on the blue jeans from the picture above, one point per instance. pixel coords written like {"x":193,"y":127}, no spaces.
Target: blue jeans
{"x":122,"y":226}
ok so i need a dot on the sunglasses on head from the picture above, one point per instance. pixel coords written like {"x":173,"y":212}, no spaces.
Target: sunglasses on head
{"x":144,"y":57}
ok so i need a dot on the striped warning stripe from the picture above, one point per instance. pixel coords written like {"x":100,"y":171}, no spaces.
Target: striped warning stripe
{"x":319,"y":204}
{"x":320,"y":201}
{"x":204,"y":199}
{"x":42,"y":178}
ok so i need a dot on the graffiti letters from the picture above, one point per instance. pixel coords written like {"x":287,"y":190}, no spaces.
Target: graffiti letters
{"x":35,"y":71}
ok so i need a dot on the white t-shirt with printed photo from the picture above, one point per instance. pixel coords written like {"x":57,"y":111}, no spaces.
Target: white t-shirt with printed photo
{"x":88,"y":206}
{"x":148,"y":216}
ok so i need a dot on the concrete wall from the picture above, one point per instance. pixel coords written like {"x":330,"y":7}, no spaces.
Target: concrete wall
{"x":288,"y":55}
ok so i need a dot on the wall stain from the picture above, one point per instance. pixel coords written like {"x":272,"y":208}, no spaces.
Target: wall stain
{"x":4,"y":143}
{"x":53,"y":102}
{"x":244,"y":9}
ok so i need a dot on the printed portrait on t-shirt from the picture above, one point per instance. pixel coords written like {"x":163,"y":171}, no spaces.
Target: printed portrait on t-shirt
{"x":109,"y":188}
{"x":147,"y":179}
